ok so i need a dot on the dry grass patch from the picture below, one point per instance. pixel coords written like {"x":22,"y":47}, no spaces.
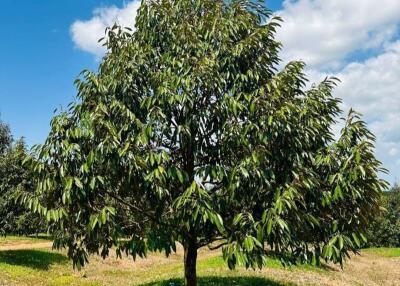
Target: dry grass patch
{"x":45,"y":267}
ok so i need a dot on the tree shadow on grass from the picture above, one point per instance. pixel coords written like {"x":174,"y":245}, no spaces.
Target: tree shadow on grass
{"x":36,"y":259}
{"x":222,"y":281}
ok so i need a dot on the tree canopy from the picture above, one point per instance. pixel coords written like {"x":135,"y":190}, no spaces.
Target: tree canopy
{"x":14,"y":177}
{"x":385,"y":229}
{"x":190,"y":133}
{"x":5,"y":138}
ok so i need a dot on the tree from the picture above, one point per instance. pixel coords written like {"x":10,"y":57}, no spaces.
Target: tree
{"x":5,"y":137}
{"x":5,"y":146}
{"x":385,"y":229}
{"x":14,"y":177}
{"x":188,"y":133}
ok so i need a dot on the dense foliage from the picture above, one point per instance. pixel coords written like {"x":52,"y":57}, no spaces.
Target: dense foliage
{"x":188,"y":133}
{"x":385,"y":230}
{"x":5,"y":138}
{"x":14,"y":218}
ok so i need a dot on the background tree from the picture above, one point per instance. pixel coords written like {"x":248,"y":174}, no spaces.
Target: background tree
{"x":188,"y":133}
{"x":385,"y":230}
{"x":5,"y":138}
{"x":14,"y":218}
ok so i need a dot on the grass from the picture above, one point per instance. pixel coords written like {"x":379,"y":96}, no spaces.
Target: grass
{"x":9,"y":238}
{"x":38,"y":267}
{"x":383,"y":251}
{"x":46,"y":267}
{"x":49,"y":268}
{"x":35,"y":259}
{"x":13,"y":238}
{"x":222,"y":281}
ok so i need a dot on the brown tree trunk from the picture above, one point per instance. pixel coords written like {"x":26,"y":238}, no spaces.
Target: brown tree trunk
{"x":190,"y":259}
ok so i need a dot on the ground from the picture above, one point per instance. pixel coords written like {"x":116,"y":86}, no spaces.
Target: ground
{"x":30,"y":261}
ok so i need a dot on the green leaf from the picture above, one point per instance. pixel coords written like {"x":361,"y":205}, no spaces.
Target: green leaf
{"x":269,"y":226}
{"x":237,"y":219}
{"x":249,"y":243}
{"x":180,"y":176}
{"x":355,"y":239}
{"x":78,"y":183}
{"x":219,"y":223}
{"x":340,"y":239}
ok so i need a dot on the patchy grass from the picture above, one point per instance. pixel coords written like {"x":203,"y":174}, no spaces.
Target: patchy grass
{"x":49,"y":268}
{"x":383,"y":251}
{"x":11,"y":238}
{"x":38,"y":267}
{"x":6,"y":241}
{"x":45,"y":267}
{"x":35,"y":259}
{"x":222,"y":281}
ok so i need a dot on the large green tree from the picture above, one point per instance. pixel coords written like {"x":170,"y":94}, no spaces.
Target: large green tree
{"x":189,"y":133}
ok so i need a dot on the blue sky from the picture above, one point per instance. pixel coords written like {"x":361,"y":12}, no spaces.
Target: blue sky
{"x":39,"y":60}
{"x":45,"y":44}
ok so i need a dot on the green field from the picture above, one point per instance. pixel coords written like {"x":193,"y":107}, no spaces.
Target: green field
{"x":42,"y":266}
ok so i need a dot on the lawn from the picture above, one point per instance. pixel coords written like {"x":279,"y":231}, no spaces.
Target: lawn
{"x":47,"y":267}
{"x":384,"y":252}
{"x":13,"y":238}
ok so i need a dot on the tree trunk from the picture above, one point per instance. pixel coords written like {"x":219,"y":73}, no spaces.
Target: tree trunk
{"x":190,"y":259}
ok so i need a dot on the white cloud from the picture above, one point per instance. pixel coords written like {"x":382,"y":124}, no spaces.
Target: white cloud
{"x":86,"y":33}
{"x":372,"y":87}
{"x":374,"y":84}
{"x":324,"y":32}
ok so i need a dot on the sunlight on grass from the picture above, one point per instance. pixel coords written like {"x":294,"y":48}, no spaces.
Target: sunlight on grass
{"x":35,"y":259}
{"x":218,"y":262}
{"x":383,"y":251}
{"x":46,"y":267}
{"x":27,"y":264}
{"x":38,"y":267}
{"x":13,"y":238}
{"x":51,"y":268}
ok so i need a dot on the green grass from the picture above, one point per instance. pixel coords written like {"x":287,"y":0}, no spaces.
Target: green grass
{"x":14,"y":238}
{"x":38,"y":267}
{"x":49,"y":268}
{"x":35,"y":259}
{"x":52,"y":268}
{"x":383,"y":251}
{"x":46,"y":267}
{"x":218,"y":262}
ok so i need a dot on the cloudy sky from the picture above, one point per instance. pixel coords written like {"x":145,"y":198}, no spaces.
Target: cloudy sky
{"x":44,"y":46}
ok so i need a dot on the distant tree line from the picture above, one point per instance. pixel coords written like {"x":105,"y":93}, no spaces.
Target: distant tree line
{"x":14,"y":218}
{"x":385,"y":231}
